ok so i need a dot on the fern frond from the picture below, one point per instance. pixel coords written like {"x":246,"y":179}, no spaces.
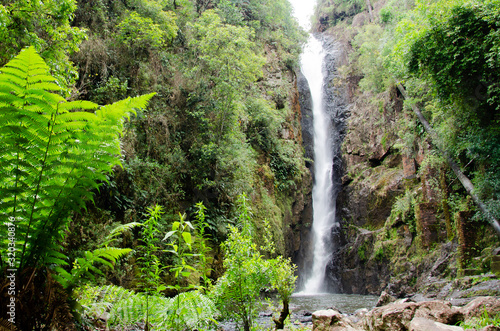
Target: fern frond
{"x":77,"y":104}
{"x":113,"y":254}
{"x":117,"y":231}
{"x":54,"y":152}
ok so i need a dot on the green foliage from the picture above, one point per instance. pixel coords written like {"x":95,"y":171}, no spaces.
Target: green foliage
{"x":201,"y":244}
{"x":453,"y":51}
{"x":127,"y":308}
{"x":404,"y":210}
{"x":46,"y":26}
{"x":236,"y":293}
{"x":83,"y":267}
{"x":460,"y":55}
{"x":149,"y":262}
{"x":180,"y":242}
{"x":370,"y":62}
{"x":194,"y":140}
{"x":379,"y":253}
{"x":386,"y":15}
{"x":227,"y":58}
{"x":481,"y":322}
{"x":285,"y":169}
{"x":362,"y":252}
{"x":141,"y":32}
{"x":53,"y":155}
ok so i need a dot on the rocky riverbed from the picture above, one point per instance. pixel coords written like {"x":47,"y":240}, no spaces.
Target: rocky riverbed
{"x":441,"y":306}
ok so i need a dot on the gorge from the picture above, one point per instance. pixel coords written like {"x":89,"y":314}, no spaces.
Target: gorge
{"x":167,"y":162}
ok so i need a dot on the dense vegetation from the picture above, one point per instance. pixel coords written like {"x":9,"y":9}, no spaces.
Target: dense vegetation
{"x":134,"y":213}
{"x":92,"y":194}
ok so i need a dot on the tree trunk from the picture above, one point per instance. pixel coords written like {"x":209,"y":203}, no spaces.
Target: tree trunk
{"x":467,"y":184}
{"x":369,"y":6}
{"x":280,"y":322}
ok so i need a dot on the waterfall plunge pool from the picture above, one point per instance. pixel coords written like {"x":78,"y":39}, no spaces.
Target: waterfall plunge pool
{"x":302,"y":305}
{"x":345,"y":303}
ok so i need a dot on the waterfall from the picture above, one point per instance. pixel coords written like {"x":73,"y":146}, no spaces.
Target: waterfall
{"x":312,"y":67}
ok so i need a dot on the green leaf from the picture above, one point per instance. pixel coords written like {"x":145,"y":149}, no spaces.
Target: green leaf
{"x":187,"y":238}
{"x":169,"y":234}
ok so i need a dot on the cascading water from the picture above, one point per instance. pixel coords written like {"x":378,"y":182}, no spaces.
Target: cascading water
{"x":314,"y":66}
{"x":323,"y":205}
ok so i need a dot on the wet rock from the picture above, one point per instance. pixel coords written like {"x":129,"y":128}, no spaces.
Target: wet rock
{"x":395,"y":316}
{"x":419,"y":298}
{"x":420,"y":324}
{"x":304,"y":316}
{"x":358,"y":315}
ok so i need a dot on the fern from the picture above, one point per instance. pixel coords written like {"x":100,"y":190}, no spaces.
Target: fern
{"x":84,"y":268}
{"x":54,"y":152}
{"x":127,"y":308}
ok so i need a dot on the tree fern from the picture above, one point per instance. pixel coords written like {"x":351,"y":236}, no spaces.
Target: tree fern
{"x":53,"y":153}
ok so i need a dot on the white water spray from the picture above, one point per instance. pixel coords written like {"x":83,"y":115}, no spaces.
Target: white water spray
{"x":323,"y":204}
{"x":311,"y":63}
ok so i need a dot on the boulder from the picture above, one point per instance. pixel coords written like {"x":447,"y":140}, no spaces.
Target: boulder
{"x":358,"y":315}
{"x":331,"y":320}
{"x":398,"y":315}
{"x":424,"y":324}
{"x":439,"y":311}
{"x":476,"y":307}
{"x":394,"y":316}
{"x":384,"y":299}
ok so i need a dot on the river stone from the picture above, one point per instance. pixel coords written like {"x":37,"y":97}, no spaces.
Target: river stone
{"x":331,"y":320}
{"x":358,"y":315}
{"x":421,"y":324}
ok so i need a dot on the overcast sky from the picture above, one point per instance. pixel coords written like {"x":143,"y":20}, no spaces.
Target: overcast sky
{"x":303,"y":9}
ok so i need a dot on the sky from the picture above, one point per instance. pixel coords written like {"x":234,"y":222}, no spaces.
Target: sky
{"x":303,"y":9}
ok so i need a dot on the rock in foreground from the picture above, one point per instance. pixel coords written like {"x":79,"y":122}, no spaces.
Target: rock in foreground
{"x":403,"y":315}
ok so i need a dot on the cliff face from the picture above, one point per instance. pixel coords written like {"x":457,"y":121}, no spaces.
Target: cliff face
{"x":396,"y":230}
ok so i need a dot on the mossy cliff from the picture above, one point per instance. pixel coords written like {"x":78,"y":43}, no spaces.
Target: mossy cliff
{"x":224,"y":121}
{"x":405,"y":220}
